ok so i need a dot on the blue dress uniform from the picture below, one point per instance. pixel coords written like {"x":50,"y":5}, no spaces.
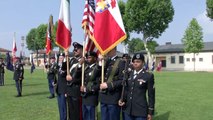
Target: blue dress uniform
{"x":109,"y":97}
{"x":18,"y":76}
{"x":61,"y":89}
{"x":91,"y":88}
{"x":51,"y":76}
{"x":137,"y":107}
{"x":1,"y":72}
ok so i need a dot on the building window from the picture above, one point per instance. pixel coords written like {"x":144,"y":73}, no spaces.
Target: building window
{"x":201,"y":59}
{"x":193,"y":59}
{"x":181,"y":59}
{"x":188,"y":59}
{"x":172,"y":59}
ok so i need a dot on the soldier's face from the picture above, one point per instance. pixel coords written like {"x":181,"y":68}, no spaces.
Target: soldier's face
{"x":137,"y":64}
{"x":77,"y":52}
{"x":52,"y":60}
{"x":91,"y":59}
{"x":61,"y":58}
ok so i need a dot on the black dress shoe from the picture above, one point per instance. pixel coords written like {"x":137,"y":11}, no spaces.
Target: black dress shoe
{"x":52,"y":96}
{"x":18,"y":95}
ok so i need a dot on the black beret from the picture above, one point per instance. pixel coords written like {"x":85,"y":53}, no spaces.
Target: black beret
{"x":125,"y":55}
{"x":94,"y":54}
{"x":77,"y":45}
{"x":52,"y":57}
{"x":62,"y":54}
{"x":139,"y":56}
{"x":1,"y":58}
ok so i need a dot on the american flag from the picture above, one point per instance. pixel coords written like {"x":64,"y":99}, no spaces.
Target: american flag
{"x":88,"y":24}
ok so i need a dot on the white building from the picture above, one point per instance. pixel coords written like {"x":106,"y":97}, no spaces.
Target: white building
{"x":173,"y":57}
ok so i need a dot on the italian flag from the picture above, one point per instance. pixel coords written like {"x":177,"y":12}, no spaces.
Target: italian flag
{"x":63,"y":35}
{"x":108,"y":29}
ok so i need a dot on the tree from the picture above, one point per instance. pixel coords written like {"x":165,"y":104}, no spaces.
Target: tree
{"x":122,"y":7}
{"x":209,"y":8}
{"x":149,"y":18}
{"x":193,"y":38}
{"x":136,"y":45}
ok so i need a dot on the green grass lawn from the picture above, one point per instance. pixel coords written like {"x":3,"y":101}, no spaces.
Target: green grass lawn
{"x":179,"y":96}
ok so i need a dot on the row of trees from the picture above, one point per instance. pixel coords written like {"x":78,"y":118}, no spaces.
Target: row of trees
{"x":147,"y":18}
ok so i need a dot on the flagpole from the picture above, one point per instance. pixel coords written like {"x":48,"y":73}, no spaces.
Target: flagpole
{"x":83,"y":65}
{"x":102,"y":71}
{"x":67,"y":59}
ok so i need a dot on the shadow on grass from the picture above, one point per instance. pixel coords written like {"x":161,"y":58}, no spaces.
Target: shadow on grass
{"x":13,"y":84}
{"x":164,"y":116}
{"x":37,"y":93}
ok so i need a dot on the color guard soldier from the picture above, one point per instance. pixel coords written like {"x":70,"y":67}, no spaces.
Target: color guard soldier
{"x":91,"y":86}
{"x":111,"y":87}
{"x":2,"y":72}
{"x":51,"y":76}
{"x":61,"y":87}
{"x":74,"y":83}
{"x":135,"y":103}
{"x":18,"y":75}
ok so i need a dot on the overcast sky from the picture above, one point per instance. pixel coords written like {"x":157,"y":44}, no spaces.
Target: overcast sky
{"x":22,"y":15}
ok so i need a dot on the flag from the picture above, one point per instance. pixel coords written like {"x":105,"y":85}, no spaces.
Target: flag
{"x":14,"y":46}
{"x":9,"y":65}
{"x":48,"y":36}
{"x":63,"y":35}
{"x":32,"y":64}
{"x":159,"y":66}
{"x":153,"y":66}
{"x":88,"y":24}
{"x":108,"y":26}
{"x":147,"y":64}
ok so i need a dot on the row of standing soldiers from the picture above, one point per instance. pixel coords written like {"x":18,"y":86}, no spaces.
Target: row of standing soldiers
{"x":124,"y":88}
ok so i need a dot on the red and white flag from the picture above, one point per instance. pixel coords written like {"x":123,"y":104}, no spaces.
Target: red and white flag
{"x":63,"y":35}
{"x":88,"y":24}
{"x":14,"y":46}
{"x":108,"y":29}
{"x":48,"y":36}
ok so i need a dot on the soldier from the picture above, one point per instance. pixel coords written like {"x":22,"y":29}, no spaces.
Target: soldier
{"x":2,"y":72}
{"x":61,"y":87}
{"x":111,"y":87}
{"x":74,"y":82}
{"x":135,"y":104}
{"x":18,"y":75}
{"x":91,"y":87}
{"x":51,"y":76}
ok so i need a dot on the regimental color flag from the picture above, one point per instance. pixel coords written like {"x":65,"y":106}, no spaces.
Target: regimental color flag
{"x":108,"y":29}
{"x":63,"y":35}
{"x":49,"y":35}
{"x":14,"y":46}
{"x":88,"y":24}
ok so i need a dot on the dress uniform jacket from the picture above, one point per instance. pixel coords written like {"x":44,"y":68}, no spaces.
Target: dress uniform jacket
{"x":92,"y":76}
{"x":73,"y":86}
{"x":113,"y":92}
{"x":62,"y":82}
{"x":2,"y":67}
{"x":135,"y":94}
{"x":51,"y":74}
{"x":18,"y":71}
